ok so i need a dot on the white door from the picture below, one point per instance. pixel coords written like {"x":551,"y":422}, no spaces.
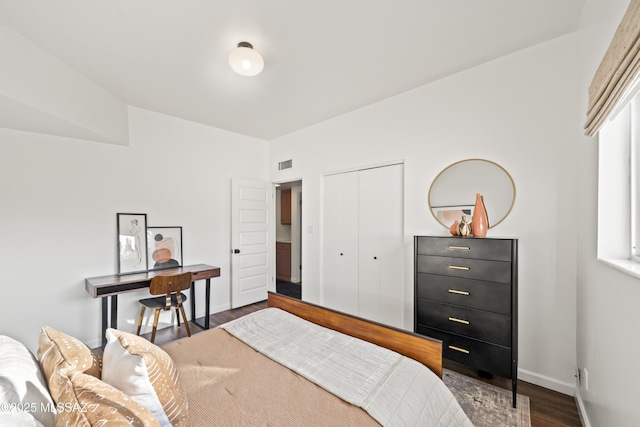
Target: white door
{"x":251,"y":240}
{"x":340,"y":242}
{"x":381,"y":252}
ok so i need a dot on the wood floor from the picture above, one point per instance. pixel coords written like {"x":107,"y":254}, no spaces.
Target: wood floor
{"x":548,"y":408}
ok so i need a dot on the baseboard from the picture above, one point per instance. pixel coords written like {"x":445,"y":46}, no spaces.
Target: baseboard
{"x":214,"y":310}
{"x":560,"y":387}
{"x":95,"y":343}
{"x":546,"y":382}
{"x":581,"y":409}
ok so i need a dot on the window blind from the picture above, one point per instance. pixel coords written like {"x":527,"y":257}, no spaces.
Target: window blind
{"x":617,"y":71}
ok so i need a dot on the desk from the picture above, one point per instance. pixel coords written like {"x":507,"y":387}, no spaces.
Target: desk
{"x":110,"y":286}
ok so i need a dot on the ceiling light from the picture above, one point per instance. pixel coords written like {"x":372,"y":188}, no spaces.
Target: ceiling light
{"x":245,"y":61}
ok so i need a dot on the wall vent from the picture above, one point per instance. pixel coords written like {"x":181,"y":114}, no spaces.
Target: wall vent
{"x":286,"y":164}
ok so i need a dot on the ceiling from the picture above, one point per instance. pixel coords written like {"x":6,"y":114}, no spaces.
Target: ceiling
{"x":322,"y":58}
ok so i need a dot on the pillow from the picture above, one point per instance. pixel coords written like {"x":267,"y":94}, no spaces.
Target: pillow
{"x":58,"y":351}
{"x":23,"y":387}
{"x":87,"y":401}
{"x":19,"y":418}
{"x":145,"y":373}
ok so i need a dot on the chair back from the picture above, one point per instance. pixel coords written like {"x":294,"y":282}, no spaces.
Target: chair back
{"x":170,"y":284}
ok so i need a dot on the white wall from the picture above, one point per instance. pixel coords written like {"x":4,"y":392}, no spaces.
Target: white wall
{"x":607,"y":322}
{"x":39,"y":93}
{"x":58,"y":203}
{"x":518,"y":111}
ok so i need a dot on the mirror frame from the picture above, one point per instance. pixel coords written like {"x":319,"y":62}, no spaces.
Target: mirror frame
{"x":513,"y":185}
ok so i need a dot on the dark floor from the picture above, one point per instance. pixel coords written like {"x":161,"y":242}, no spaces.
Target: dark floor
{"x":293,"y":290}
{"x":548,"y":407}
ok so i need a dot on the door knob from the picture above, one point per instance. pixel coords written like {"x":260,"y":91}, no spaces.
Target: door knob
{"x":236,"y":251}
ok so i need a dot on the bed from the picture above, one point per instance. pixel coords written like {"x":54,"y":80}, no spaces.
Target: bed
{"x":291,"y":364}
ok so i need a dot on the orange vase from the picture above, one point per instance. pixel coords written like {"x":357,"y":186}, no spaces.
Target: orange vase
{"x":480,"y":218}
{"x":454,"y":228}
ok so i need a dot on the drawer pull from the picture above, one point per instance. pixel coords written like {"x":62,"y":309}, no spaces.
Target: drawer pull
{"x":453,"y":291}
{"x":455,"y":319}
{"x":457,"y":267}
{"x":459,"y":248}
{"x":461,"y":350}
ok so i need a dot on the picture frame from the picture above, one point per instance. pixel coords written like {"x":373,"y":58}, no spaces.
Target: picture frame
{"x":164,"y":247}
{"x":132,"y":242}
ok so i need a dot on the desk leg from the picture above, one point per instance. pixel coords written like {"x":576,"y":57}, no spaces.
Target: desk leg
{"x":192,"y":293}
{"x":105,"y":322}
{"x":207,"y":305}
{"x":109,"y":317}
{"x":114,"y":311}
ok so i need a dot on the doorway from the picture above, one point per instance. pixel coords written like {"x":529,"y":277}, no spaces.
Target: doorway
{"x":288,"y":238}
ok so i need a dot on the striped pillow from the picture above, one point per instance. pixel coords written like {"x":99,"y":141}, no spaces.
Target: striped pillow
{"x":86,"y":401}
{"x":58,"y":352}
{"x":145,"y":373}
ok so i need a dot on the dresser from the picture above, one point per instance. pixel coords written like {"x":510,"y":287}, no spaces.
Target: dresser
{"x":466,"y":294}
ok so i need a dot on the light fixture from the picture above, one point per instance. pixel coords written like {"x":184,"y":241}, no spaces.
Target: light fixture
{"x":245,"y":61}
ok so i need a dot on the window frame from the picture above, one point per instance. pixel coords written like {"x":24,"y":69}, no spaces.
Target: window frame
{"x":634,"y":179}
{"x":614,"y":234}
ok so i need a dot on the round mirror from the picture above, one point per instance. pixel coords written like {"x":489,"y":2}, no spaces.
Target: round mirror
{"x":453,"y":192}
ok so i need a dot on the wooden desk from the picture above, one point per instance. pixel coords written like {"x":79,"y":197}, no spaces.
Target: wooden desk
{"x":110,"y":286}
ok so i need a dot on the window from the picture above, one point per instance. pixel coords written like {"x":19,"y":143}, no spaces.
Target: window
{"x":634,"y":178}
{"x":619,"y":189}
{"x":613,"y":112}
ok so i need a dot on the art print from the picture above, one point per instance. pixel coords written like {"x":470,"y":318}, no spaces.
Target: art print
{"x":132,"y":243}
{"x":164,"y":247}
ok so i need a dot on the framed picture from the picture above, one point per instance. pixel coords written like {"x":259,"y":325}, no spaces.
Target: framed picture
{"x":164,"y":247}
{"x":132,"y":243}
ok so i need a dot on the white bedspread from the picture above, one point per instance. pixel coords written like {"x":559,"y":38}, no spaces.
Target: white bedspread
{"x":393,"y":389}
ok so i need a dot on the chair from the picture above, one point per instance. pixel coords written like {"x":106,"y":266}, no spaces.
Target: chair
{"x":170,"y":286}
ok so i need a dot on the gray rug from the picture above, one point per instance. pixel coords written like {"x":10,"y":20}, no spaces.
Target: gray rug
{"x":486,"y":404}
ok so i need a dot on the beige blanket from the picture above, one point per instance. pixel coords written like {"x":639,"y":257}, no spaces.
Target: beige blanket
{"x":230,"y":384}
{"x":395,"y":390}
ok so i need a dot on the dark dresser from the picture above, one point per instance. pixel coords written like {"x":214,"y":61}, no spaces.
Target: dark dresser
{"x":466,"y":294}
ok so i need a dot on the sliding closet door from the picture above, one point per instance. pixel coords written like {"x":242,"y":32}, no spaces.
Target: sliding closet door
{"x":380,"y":235}
{"x":363,"y":234}
{"x":340,"y":242}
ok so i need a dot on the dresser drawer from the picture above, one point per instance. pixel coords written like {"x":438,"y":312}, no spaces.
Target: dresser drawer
{"x":481,"y":325}
{"x":478,"y":248}
{"x":480,"y":294}
{"x":479,"y":355}
{"x":494,"y":271}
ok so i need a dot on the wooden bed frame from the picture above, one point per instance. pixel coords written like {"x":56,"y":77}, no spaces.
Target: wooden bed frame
{"x":427,"y":351}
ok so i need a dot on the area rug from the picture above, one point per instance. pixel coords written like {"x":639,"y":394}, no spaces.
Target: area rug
{"x":487,"y":405}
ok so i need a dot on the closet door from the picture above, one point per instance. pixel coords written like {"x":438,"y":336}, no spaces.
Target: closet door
{"x":340,"y":242}
{"x":381,"y":256}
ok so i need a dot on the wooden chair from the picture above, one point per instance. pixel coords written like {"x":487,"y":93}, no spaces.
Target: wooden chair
{"x":170,"y":286}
